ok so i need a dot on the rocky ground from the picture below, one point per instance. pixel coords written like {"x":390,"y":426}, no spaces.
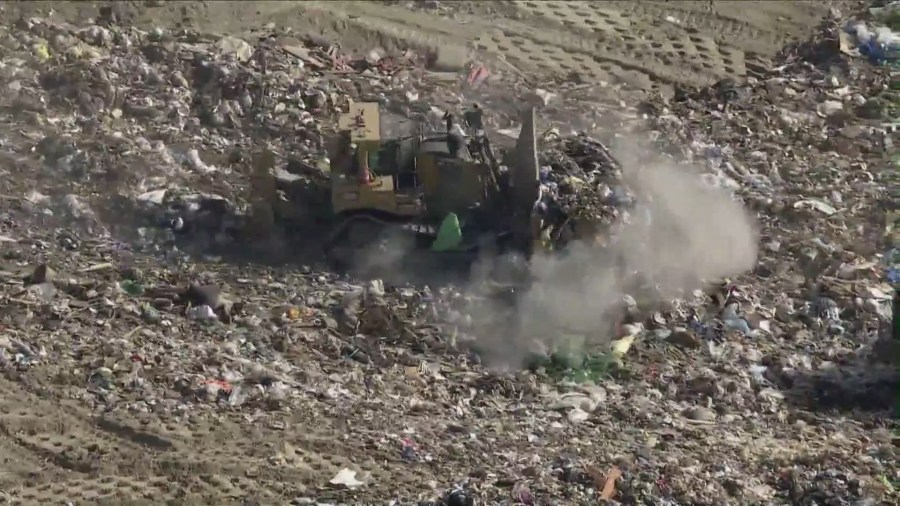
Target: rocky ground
{"x":152,"y":352}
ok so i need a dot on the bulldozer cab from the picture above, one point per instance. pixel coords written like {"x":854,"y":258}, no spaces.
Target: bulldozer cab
{"x":367,"y":171}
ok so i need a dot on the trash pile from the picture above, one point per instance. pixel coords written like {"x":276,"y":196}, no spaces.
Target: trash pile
{"x":293,"y":383}
{"x":582,"y":181}
{"x":181,"y":110}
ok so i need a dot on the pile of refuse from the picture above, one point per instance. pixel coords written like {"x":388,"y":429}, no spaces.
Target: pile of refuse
{"x":582,"y":180}
{"x":766,"y":386}
{"x":180,"y":110}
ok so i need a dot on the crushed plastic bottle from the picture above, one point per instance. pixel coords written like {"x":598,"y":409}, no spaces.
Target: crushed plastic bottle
{"x":881,"y":46}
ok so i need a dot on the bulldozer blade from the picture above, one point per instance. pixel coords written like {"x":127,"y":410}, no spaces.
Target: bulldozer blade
{"x":524,"y":174}
{"x":264,"y":193}
{"x":261,"y":178}
{"x":525,"y":171}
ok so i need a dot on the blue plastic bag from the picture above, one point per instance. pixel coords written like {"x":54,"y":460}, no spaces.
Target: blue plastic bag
{"x":880,"y":53}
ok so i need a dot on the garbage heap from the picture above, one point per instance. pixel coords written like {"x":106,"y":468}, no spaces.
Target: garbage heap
{"x":166,"y":123}
{"x":582,"y":187}
{"x":722,"y":390}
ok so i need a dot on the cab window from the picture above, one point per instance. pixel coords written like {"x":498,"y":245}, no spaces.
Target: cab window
{"x":373,"y":160}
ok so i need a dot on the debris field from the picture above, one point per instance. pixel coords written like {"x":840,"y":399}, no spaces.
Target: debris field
{"x":724,"y":337}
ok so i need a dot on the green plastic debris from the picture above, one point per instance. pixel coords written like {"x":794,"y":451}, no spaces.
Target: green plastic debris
{"x":132,"y":288}
{"x":150,"y":314}
{"x":449,"y":236}
{"x":595,"y":368}
{"x":40,"y":50}
{"x":570,"y":361}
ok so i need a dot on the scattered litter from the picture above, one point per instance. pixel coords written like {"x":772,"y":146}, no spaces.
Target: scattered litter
{"x":609,"y":487}
{"x":347,"y":478}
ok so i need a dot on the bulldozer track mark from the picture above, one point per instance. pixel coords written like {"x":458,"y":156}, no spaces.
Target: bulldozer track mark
{"x":21,"y":464}
{"x":66,"y":443}
{"x":640,"y":44}
{"x":620,"y":40}
{"x":71,"y":419}
{"x":128,"y":460}
{"x":586,"y":16}
{"x":767,"y":30}
{"x":561,"y":52}
{"x":158,"y":459}
{"x":139,"y":437}
{"x":593,"y":58}
{"x":104,"y":490}
{"x":72,"y":454}
{"x":646,"y":43}
{"x":63,"y":436}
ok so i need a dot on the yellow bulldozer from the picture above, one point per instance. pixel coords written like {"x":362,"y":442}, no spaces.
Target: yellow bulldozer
{"x":422,"y":192}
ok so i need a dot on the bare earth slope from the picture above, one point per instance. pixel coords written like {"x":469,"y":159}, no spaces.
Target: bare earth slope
{"x":644,"y":44}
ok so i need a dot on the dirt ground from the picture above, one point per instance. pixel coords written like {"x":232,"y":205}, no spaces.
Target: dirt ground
{"x":53,"y":448}
{"x":645,"y":44}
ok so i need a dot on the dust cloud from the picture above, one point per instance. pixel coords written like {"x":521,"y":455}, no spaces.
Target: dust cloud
{"x":681,"y":235}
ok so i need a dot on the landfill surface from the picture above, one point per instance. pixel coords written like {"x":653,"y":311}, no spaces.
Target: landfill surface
{"x":726,"y":339}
